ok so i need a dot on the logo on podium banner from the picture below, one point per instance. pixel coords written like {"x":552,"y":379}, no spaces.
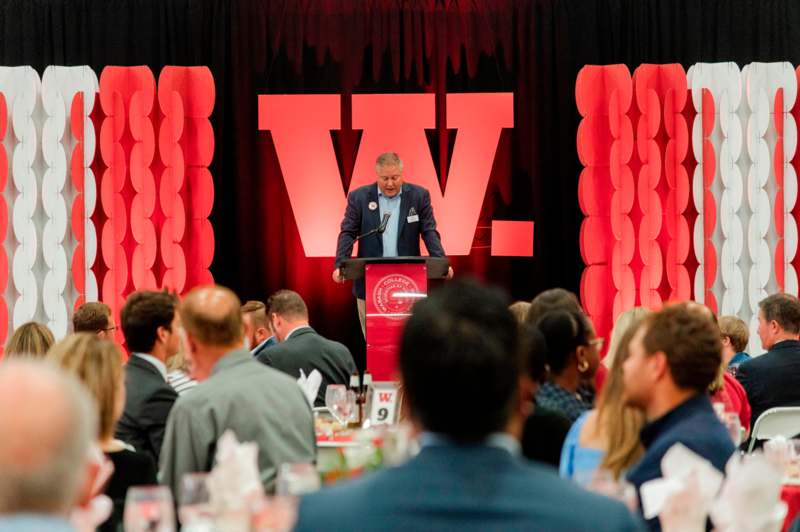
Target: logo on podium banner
{"x":391,"y":295}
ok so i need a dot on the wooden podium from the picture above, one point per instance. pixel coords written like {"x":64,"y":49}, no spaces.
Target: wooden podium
{"x":393,"y":284}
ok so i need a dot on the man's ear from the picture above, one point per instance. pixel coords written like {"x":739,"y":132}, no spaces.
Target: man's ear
{"x":658,"y":365}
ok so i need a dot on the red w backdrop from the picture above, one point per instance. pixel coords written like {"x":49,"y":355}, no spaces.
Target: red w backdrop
{"x":532,"y":49}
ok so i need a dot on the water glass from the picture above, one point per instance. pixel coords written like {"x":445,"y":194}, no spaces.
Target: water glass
{"x":337,"y":402}
{"x":149,"y":509}
{"x":297,"y":479}
{"x":734,"y":425}
{"x":195,"y":510}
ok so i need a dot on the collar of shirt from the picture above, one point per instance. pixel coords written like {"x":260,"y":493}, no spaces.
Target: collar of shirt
{"x":30,"y":521}
{"x":295,"y":330}
{"x":786,"y":344}
{"x":160,"y":366}
{"x":667,"y":422}
{"x":499,"y":440}
{"x":399,"y":193}
{"x":259,"y":346}
{"x":554,"y":397}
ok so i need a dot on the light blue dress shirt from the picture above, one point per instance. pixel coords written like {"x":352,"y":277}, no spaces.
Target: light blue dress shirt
{"x":391,"y":205}
{"x":34,"y":523}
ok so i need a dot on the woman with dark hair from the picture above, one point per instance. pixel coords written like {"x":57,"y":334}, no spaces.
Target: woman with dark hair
{"x":572,"y":358}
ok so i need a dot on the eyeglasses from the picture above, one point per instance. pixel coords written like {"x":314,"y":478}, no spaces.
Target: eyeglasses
{"x":110,"y":329}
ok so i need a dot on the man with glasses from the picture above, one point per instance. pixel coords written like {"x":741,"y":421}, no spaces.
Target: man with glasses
{"x":96,"y":318}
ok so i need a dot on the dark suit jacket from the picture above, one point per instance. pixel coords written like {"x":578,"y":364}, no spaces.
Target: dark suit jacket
{"x":359,"y":219}
{"x":307,"y":350}
{"x":148,"y":402}
{"x":771,"y":379}
{"x":462,"y":489}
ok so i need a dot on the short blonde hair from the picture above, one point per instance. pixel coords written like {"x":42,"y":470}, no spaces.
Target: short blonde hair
{"x":735,"y":329}
{"x":97,"y":363}
{"x":520,"y":310}
{"x":29,"y":340}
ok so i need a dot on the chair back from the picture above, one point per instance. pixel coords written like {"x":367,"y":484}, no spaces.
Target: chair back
{"x":780,"y":421}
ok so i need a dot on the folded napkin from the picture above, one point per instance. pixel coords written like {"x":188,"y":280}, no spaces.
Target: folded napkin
{"x":310,"y":385}
{"x":683,"y":497}
{"x":750,"y":497}
{"x":234,"y":482}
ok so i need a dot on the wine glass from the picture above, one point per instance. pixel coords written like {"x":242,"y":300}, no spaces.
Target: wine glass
{"x":734,"y":425}
{"x":337,"y":403}
{"x":149,"y":509}
{"x":195,"y":510}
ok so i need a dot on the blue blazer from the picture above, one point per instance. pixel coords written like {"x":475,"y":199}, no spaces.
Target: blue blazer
{"x":771,"y":379}
{"x":462,"y":489}
{"x":359,"y":219}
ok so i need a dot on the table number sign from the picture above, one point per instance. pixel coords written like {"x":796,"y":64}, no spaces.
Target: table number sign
{"x":383,"y":403}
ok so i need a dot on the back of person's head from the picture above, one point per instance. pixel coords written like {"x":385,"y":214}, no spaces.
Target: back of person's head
{"x":534,"y":349}
{"x":142,"y":315}
{"x":257,"y":312}
{"x":30,"y":340}
{"x":211,"y":315}
{"x":461,"y":342}
{"x":564,"y":331}
{"x":91,"y":317}
{"x":48,"y":423}
{"x":623,"y":324}
{"x":520,"y":310}
{"x":735,"y":329}
{"x":690,"y":342}
{"x":784,"y":309}
{"x":97,"y":363}
{"x":288,"y":304}
{"x":620,"y":423}
{"x":550,"y":300}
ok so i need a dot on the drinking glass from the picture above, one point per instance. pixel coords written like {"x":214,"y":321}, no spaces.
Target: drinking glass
{"x":195,"y":510}
{"x":149,"y":509}
{"x":734,"y":425}
{"x":337,"y":402}
{"x":297,"y":479}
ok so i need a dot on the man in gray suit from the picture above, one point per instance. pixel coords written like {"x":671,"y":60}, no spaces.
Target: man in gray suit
{"x":301,"y":348}
{"x":259,"y":404}
{"x":48,"y":422}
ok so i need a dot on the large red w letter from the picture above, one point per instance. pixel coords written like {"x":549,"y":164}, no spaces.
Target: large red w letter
{"x":300,"y":127}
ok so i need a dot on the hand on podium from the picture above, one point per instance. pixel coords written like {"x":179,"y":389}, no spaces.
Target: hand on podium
{"x":449,"y":273}
{"x":337,"y":276}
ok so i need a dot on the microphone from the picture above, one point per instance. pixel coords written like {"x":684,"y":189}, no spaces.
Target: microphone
{"x":377,"y":231}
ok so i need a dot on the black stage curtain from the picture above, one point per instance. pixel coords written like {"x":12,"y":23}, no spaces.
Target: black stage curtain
{"x":531,"y":47}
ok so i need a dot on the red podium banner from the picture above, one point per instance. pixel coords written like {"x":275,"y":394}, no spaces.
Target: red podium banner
{"x":392,"y":289}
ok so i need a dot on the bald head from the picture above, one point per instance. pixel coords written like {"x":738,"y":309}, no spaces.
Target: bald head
{"x":43,"y":451}
{"x":213,"y":321}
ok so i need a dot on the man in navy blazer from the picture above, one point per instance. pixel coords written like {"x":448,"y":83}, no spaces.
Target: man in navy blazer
{"x":772,"y":379}
{"x":469,"y":475}
{"x":410,"y":216}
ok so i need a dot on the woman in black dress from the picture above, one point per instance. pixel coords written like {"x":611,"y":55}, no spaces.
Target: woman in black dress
{"x":97,"y":363}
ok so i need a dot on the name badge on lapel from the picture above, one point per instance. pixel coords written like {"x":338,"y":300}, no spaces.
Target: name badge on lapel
{"x":412,"y":216}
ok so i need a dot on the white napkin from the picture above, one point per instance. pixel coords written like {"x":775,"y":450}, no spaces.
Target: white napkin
{"x":682,"y":498}
{"x":310,"y":385}
{"x":234,"y":482}
{"x":750,"y":497}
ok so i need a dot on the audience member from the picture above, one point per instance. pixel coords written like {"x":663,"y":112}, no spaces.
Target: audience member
{"x":258,"y":333}
{"x":97,"y":363}
{"x":520,"y":310}
{"x":259,"y":404}
{"x":29,"y":340}
{"x":607,"y":438}
{"x":150,"y":324}
{"x":771,"y":379}
{"x":469,"y":475}
{"x":621,"y":326}
{"x":545,"y":430}
{"x":44,"y":452}
{"x":94,"y":317}
{"x":572,"y":358}
{"x":734,"y":341}
{"x":674,"y":357}
{"x":301,"y":348}
{"x":178,"y":372}
{"x":727,"y":390}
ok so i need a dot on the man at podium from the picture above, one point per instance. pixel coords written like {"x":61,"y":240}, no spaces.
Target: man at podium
{"x":395,"y":214}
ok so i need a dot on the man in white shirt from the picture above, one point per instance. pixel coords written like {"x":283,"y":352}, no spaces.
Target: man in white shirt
{"x":150,"y":324}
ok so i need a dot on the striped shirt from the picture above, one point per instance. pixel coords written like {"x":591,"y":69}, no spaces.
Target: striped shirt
{"x":181,"y":381}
